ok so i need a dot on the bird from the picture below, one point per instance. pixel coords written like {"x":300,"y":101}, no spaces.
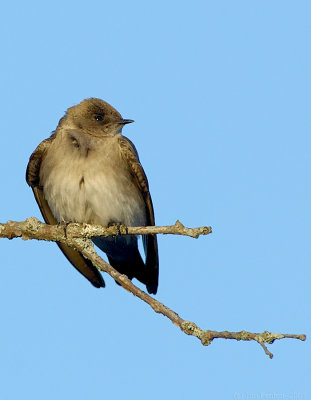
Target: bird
{"x":88,"y":172}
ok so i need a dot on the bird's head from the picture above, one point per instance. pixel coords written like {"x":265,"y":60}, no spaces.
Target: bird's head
{"x":94,"y":117}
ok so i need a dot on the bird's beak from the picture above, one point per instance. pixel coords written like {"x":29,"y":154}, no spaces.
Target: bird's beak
{"x":126,"y":121}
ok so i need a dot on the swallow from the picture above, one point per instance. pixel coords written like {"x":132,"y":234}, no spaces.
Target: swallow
{"x":88,"y":172}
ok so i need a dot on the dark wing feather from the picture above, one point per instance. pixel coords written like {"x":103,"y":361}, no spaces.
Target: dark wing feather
{"x":84,"y":266}
{"x":130,"y":155}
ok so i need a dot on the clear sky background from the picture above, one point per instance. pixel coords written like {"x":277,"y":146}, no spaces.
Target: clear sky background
{"x":220,"y":95}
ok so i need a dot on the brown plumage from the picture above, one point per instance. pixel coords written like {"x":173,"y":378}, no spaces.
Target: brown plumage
{"x":88,"y":172}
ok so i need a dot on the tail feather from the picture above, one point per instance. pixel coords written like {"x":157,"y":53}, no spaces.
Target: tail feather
{"x":136,"y":268}
{"x":152,"y":262}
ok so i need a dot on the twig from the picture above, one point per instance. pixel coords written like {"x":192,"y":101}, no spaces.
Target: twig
{"x":32,"y":228}
{"x":190,"y":328}
{"x":77,"y":236}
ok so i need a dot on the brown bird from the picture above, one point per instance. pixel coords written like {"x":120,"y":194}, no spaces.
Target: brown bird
{"x":88,"y":172}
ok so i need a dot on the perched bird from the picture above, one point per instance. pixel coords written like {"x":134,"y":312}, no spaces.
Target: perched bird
{"x":87,"y":172}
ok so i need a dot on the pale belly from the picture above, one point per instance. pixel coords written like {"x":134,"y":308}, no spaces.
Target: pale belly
{"x":91,"y":189}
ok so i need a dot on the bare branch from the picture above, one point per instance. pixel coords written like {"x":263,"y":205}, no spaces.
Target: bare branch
{"x":32,"y":228}
{"x":77,"y":236}
{"x":190,"y":328}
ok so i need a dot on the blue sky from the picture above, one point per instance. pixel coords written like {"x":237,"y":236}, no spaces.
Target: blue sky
{"x":220,"y":95}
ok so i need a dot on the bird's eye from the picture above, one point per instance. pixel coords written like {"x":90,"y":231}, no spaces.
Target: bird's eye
{"x":98,"y":117}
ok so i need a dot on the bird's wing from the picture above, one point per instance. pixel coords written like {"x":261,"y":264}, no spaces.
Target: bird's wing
{"x":130,"y":155}
{"x":84,"y":266}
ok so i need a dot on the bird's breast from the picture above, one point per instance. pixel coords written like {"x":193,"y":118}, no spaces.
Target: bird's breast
{"x":93,"y":186}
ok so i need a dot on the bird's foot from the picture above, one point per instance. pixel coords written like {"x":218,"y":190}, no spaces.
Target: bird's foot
{"x":120,"y":228}
{"x":64,"y":224}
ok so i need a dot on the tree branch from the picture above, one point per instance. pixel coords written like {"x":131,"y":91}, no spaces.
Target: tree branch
{"x":32,"y":228}
{"x":77,"y":236}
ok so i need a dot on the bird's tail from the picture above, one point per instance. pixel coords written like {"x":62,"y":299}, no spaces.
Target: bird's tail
{"x":134,"y":268}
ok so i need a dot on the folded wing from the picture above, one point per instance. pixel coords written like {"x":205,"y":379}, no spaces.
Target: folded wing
{"x":84,"y":266}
